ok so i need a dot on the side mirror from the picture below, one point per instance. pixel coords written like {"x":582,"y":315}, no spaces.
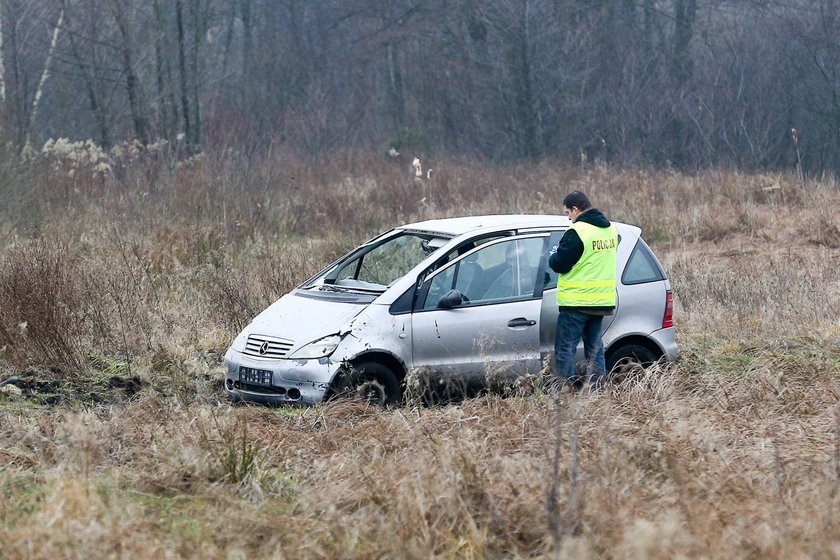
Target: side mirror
{"x":452,"y":298}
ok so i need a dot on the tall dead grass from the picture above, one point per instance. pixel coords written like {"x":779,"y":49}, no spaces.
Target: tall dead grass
{"x":672,"y":463}
{"x":147,"y":274}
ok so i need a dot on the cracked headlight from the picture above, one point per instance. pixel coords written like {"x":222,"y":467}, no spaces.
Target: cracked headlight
{"x":318,"y":349}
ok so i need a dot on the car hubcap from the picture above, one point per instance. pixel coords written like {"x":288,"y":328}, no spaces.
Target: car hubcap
{"x":371,"y":391}
{"x":626,"y":366}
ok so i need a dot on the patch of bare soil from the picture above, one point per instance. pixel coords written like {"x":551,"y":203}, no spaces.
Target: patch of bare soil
{"x":48,"y":389}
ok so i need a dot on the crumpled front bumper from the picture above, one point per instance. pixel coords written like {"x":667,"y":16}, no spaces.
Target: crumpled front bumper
{"x":293,"y":381}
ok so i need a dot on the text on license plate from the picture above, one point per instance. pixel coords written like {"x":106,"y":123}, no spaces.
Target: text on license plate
{"x":254,"y":376}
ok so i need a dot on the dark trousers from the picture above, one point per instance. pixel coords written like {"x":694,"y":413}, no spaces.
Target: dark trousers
{"x":571,"y":327}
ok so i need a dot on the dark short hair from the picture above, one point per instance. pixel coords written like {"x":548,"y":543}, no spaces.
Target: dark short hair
{"x":578,"y":199}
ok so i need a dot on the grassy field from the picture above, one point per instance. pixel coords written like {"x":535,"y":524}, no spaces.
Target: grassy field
{"x":120,"y":290}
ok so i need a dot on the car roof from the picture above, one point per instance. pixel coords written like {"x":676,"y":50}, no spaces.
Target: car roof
{"x":465,"y":224}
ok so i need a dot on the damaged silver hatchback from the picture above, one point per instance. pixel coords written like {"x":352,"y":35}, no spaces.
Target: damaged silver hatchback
{"x":459,"y":300}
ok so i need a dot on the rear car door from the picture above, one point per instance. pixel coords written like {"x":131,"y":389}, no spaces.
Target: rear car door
{"x":495,"y":332}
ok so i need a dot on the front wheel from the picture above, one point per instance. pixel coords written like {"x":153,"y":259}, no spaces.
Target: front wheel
{"x":625,"y":359}
{"x":370,"y":382}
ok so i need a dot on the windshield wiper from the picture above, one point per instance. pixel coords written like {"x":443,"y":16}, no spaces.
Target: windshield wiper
{"x":331,"y":288}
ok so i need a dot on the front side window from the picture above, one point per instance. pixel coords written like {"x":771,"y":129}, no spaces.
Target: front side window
{"x":496,"y":272}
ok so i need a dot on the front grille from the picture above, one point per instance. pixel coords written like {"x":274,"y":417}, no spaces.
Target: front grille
{"x":267,"y":347}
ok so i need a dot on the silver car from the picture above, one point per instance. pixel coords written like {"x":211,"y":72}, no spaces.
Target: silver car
{"x":461,"y":300}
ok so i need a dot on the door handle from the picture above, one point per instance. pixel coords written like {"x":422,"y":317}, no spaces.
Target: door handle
{"x":521,"y":322}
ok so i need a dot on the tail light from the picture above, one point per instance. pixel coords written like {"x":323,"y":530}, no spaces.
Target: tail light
{"x":668,"y":319}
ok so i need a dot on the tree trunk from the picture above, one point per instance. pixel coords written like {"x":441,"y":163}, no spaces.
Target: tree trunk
{"x":167,"y":109}
{"x":677,"y":132}
{"x":199,"y":16}
{"x":39,"y":91}
{"x":395,"y":89}
{"x":182,"y":71}
{"x":2,"y":59}
{"x":247,"y":85}
{"x":90,"y":86}
{"x":519,"y":56}
{"x":685,"y":13}
{"x":132,"y":84}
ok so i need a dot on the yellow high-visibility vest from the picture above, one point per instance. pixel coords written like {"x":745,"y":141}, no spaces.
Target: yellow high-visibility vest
{"x":591,"y":282}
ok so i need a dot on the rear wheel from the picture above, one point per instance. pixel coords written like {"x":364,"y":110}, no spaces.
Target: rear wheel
{"x":625,"y":359}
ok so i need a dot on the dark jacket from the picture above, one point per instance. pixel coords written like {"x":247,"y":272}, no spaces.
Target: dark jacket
{"x":570,"y":249}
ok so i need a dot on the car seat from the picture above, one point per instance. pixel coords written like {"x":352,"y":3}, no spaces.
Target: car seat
{"x":469,"y":280}
{"x":502,"y":286}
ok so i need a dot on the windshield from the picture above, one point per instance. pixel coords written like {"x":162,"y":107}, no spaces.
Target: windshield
{"x":375,"y":266}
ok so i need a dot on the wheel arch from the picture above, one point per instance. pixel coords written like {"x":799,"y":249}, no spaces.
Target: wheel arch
{"x":384,"y":358}
{"x":637,"y":339}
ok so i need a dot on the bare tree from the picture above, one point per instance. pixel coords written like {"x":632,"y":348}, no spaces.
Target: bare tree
{"x":2,"y":59}
{"x":88,"y":68}
{"x":119,"y":11}
{"x":167,"y":109}
{"x":45,"y":73}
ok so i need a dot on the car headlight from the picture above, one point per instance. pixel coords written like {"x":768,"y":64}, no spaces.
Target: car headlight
{"x":238,"y":343}
{"x":318,"y":349}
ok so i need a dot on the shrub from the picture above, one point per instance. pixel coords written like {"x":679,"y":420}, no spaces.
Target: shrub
{"x":19,"y":205}
{"x":49,"y":309}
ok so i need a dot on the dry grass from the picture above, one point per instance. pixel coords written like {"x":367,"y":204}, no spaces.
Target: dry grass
{"x":121,"y":446}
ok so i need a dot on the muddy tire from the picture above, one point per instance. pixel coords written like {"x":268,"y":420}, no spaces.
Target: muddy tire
{"x":625,"y":359}
{"x":370,"y":382}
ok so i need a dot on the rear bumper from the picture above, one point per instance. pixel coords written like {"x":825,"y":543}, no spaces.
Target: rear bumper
{"x":293,"y":381}
{"x":666,"y":339}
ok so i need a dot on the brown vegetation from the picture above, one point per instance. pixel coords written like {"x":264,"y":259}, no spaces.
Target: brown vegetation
{"x":116,"y":308}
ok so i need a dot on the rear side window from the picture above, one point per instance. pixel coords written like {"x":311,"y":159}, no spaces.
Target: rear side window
{"x":642,"y":267}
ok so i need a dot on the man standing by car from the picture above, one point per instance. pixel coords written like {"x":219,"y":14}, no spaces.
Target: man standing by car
{"x":585,"y":259}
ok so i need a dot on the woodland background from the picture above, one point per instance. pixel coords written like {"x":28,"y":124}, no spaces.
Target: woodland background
{"x":682,"y":83}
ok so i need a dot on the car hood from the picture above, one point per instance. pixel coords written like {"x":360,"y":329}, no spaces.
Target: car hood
{"x":303,"y":319}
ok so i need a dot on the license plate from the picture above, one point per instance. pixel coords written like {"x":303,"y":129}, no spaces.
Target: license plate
{"x":255,"y":376}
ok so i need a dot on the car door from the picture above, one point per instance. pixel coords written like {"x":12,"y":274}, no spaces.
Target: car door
{"x":494,"y":333}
